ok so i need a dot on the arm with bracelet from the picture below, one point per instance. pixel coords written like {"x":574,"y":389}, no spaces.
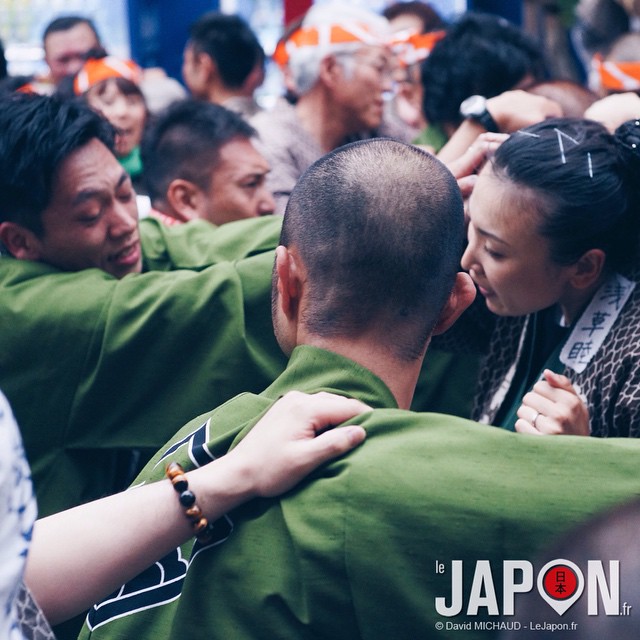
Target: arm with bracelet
{"x":80,"y":555}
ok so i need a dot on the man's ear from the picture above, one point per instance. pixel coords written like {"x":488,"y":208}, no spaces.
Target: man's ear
{"x":254,"y":79}
{"x":206,"y":66}
{"x":588,"y":269}
{"x":290,"y":282}
{"x":20,"y":242}
{"x":184,"y":198}
{"x":461,"y":296}
{"x":331,"y":71}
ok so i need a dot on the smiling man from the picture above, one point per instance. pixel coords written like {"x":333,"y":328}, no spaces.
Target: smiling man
{"x":93,"y":203}
{"x":113,"y":332}
{"x":200,"y":162}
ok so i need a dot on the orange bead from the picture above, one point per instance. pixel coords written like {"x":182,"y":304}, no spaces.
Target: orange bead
{"x":201,"y":525}
{"x":194,"y":512}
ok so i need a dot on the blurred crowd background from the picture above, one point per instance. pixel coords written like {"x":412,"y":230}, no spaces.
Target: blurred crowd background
{"x":154,"y":32}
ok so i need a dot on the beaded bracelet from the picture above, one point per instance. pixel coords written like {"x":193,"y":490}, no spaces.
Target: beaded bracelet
{"x":203,"y":530}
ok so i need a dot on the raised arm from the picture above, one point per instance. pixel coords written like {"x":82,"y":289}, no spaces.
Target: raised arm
{"x":511,"y":111}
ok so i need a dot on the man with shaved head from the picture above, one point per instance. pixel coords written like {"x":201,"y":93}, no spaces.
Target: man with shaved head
{"x":366,"y":272}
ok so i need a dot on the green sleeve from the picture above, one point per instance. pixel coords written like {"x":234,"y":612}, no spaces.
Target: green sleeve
{"x":439,"y":489}
{"x":93,"y":365}
{"x":199,"y":244}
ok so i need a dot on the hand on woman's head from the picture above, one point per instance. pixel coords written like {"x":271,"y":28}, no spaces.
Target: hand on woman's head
{"x":513,"y":110}
{"x":466,"y":168}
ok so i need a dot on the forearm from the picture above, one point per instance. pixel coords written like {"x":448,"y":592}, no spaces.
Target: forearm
{"x":79,"y":556}
{"x":463,"y":137}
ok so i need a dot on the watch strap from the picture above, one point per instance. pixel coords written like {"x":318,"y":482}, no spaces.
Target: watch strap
{"x":487,"y":121}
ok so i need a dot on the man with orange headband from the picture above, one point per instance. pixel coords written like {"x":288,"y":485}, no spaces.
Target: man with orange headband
{"x":340,"y":65}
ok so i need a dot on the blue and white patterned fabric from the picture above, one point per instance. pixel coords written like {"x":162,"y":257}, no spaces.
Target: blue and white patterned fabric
{"x":17,"y":514}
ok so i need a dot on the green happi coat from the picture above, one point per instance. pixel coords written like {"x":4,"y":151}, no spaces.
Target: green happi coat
{"x":94,"y":366}
{"x":352,"y":552}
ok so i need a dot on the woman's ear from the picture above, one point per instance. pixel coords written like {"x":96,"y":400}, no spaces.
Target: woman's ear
{"x":588,"y":268}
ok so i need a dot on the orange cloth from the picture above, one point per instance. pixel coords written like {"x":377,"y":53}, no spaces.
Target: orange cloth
{"x":616,"y":76}
{"x":96,"y":70}
{"x":414,"y":47}
{"x":322,"y":36}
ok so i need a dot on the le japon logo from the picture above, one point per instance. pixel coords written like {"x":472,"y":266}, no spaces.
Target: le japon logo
{"x":560,"y":583}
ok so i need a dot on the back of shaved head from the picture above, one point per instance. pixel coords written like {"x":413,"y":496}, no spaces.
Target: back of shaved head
{"x":379,"y":227}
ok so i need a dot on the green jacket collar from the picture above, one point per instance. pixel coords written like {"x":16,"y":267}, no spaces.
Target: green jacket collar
{"x":309,"y":369}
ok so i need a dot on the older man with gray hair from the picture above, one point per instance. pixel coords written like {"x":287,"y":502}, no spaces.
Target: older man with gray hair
{"x":339,"y":64}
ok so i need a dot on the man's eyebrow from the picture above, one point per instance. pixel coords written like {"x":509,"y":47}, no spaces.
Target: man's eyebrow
{"x":254,"y":173}
{"x":123,"y":178}
{"x":89,"y":194}
{"x":83,"y":196}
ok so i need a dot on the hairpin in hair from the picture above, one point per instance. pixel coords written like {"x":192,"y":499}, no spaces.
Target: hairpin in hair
{"x":562,"y":135}
{"x":527,"y":133}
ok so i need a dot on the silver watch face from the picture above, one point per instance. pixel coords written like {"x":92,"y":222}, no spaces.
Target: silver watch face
{"x":473,"y":106}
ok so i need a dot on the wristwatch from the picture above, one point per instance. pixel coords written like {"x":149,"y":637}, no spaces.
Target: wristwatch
{"x":475,"y":107}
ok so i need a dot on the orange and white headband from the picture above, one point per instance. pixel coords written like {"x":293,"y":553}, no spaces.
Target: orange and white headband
{"x":411,"y":47}
{"x":616,"y":76}
{"x":97,"y":70}
{"x":324,"y":36}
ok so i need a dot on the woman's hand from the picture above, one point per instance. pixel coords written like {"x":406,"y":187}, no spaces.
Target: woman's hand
{"x":553,"y":407}
{"x":467,"y":166}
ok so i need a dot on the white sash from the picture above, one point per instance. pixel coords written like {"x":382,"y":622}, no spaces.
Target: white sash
{"x":594,"y":324}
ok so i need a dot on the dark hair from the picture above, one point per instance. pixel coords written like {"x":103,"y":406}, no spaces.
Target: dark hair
{"x":379,"y":227}
{"x":69,"y":22}
{"x":37,"y":133}
{"x":185,"y":141}
{"x":583,"y":181}
{"x":430,"y":18}
{"x":231,"y":43}
{"x":13,"y":83}
{"x":124,"y":85}
{"x":480,"y":54}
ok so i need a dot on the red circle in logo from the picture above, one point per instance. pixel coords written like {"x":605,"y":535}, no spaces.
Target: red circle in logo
{"x":560,"y":582}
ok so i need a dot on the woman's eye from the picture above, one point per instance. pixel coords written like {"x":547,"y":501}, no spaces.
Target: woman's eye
{"x":493,"y":254}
